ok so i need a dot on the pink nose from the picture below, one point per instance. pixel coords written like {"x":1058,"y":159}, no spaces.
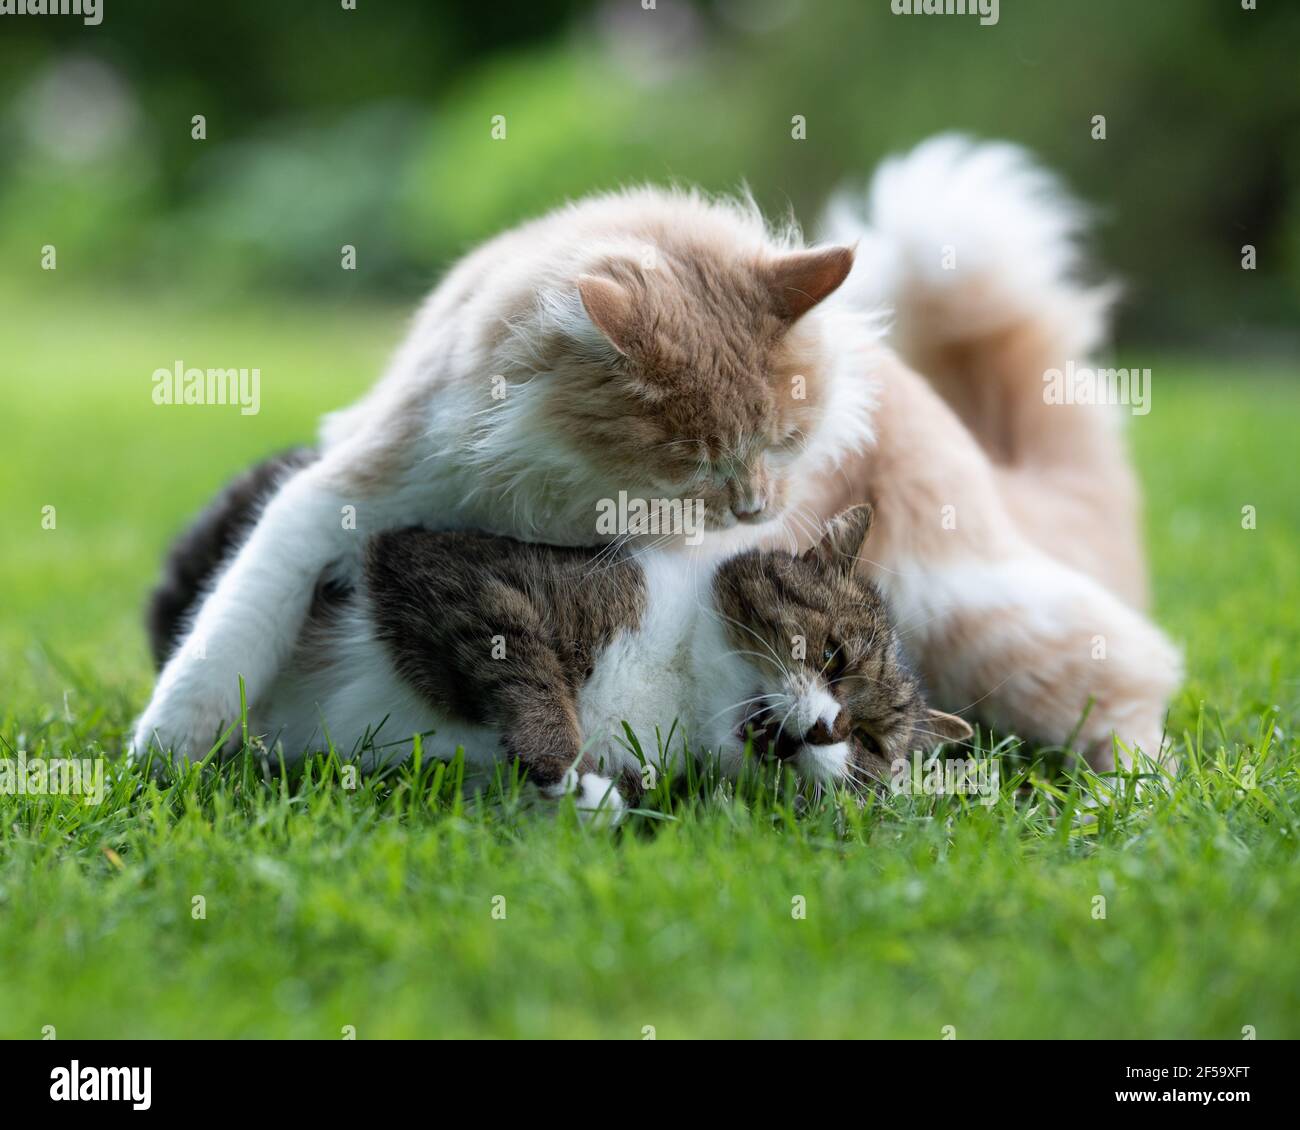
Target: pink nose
{"x":750,"y":511}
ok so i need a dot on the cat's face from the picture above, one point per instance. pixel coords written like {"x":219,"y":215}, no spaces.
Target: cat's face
{"x":699,"y":382}
{"x":832,"y":694}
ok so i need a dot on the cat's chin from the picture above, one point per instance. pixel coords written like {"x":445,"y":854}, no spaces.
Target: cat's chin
{"x":720,"y":542}
{"x":822,"y":764}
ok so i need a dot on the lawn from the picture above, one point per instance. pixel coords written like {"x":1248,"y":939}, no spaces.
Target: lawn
{"x":405,"y":908}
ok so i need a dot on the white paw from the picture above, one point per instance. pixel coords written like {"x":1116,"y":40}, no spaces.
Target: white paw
{"x":1055,"y":646}
{"x":186,"y":730}
{"x":597,"y":798}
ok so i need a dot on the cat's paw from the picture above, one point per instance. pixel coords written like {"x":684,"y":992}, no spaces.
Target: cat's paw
{"x":1047,"y":653}
{"x":597,"y":798}
{"x":184,"y":730}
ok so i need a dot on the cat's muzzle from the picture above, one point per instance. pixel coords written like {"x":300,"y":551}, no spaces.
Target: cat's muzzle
{"x":769,"y":739}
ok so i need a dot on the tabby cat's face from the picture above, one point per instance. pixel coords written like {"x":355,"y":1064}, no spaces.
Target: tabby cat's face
{"x":832,"y":694}
{"x":705,"y":387}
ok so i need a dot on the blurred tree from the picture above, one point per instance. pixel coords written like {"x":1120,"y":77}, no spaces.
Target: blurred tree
{"x":373,"y":127}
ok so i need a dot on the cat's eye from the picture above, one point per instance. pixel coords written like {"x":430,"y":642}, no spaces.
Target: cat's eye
{"x":869,"y":741}
{"x":833,"y":661}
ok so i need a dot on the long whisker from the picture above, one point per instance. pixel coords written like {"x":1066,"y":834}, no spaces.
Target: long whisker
{"x":746,"y":628}
{"x":754,"y":654}
{"x":743,"y":702}
{"x":994,"y":690}
{"x":793,"y":706}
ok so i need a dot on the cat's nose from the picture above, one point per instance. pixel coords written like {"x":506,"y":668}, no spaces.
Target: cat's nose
{"x":751,"y":510}
{"x":820,"y":734}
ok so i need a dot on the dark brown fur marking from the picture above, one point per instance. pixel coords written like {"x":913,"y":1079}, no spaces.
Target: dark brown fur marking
{"x":440,"y":600}
{"x":197,"y":555}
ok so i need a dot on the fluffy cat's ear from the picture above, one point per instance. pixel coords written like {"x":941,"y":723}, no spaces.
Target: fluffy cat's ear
{"x":842,"y":542}
{"x":802,"y":279}
{"x":610,"y":308}
{"x":940,"y":727}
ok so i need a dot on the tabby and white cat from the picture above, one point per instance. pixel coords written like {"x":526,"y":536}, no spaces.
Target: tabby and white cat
{"x":652,"y":342}
{"x":526,"y":652}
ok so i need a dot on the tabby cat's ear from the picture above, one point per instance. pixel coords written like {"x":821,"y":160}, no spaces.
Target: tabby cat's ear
{"x":610,"y":308}
{"x":940,"y":727}
{"x":801,"y":279}
{"x":843,"y":540}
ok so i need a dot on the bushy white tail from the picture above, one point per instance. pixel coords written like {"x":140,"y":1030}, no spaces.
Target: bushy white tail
{"x":975,"y":250}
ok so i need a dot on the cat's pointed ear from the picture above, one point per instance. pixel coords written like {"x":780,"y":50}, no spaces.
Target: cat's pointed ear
{"x":610,"y":308}
{"x":940,"y":727}
{"x":801,"y":279}
{"x":842,"y":541}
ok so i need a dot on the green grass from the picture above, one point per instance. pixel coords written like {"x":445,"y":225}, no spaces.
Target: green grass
{"x":373,"y":907}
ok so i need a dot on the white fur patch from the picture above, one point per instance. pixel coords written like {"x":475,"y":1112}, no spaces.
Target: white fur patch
{"x":598,"y":799}
{"x":644,"y":677}
{"x":823,"y":763}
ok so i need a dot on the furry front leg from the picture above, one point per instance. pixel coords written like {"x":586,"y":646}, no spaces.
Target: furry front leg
{"x":249,"y":622}
{"x":541,"y":732}
{"x":469,"y":622}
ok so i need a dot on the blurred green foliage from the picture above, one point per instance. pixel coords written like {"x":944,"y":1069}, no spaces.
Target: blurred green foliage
{"x":373,"y":127}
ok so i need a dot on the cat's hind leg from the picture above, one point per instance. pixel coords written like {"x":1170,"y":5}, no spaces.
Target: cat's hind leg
{"x":999,"y":628}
